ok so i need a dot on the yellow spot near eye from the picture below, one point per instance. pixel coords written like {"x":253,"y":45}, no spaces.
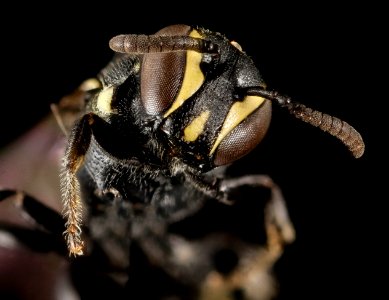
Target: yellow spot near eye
{"x":237,"y":46}
{"x":104,"y":100}
{"x":90,"y":84}
{"x":238,"y":112}
{"x":193,"y":77}
{"x":196,"y":127}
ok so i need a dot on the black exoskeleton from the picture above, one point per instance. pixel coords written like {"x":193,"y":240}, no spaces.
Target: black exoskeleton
{"x":170,"y":108}
{"x":148,"y":142}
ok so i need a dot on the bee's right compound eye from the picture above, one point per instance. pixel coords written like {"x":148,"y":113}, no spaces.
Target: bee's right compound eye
{"x":169,"y":78}
{"x":234,"y":142}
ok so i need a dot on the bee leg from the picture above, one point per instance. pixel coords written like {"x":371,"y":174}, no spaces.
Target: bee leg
{"x":279,"y":228}
{"x":31,"y":222}
{"x":79,"y":141}
{"x":252,"y":277}
{"x":192,"y":261}
{"x":33,"y":261}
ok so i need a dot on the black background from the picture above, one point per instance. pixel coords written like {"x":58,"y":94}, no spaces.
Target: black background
{"x":324,"y":56}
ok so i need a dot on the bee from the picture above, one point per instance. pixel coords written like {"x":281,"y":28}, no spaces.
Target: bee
{"x":148,"y":145}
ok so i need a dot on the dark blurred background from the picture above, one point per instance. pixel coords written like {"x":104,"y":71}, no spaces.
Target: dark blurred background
{"x":324,"y":56}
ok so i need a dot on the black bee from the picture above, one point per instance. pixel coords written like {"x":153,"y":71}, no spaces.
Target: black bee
{"x":148,"y":142}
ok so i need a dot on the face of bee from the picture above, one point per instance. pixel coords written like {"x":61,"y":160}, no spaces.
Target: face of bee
{"x":206,"y":95}
{"x":207,"y":117}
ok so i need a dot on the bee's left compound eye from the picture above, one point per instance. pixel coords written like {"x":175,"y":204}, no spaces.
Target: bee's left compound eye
{"x":253,"y":116}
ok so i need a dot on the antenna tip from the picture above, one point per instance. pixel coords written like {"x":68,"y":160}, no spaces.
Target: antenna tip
{"x":117,"y":43}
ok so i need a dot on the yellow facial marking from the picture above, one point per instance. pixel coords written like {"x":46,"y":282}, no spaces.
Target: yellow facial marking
{"x":238,"y":112}
{"x":193,"y":77}
{"x":104,"y":100}
{"x":196,"y":127}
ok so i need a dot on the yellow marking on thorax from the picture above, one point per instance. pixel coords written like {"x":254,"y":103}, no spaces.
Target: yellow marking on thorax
{"x":238,"y":112}
{"x":193,"y":77}
{"x":104,"y":100}
{"x":196,"y":127}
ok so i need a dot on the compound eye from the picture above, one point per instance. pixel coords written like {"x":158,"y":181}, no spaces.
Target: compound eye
{"x":168,"y":79}
{"x":245,"y":136}
{"x":162,"y":74}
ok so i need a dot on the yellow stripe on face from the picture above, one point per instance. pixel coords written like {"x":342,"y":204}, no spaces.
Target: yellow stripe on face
{"x":196,"y":127}
{"x":104,"y":100}
{"x":238,"y":112}
{"x":193,"y":77}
